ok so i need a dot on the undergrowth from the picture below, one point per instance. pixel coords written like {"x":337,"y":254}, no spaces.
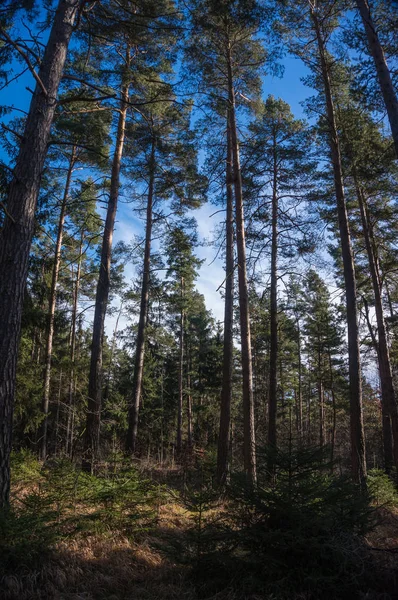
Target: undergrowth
{"x":57,"y":501}
{"x":298,"y":534}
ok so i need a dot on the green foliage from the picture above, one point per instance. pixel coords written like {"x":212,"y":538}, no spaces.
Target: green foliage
{"x":382,"y":488}
{"x":56,"y":501}
{"x":298,"y":534}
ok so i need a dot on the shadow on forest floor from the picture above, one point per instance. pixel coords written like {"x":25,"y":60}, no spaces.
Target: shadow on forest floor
{"x":113,"y":568}
{"x":103,"y":569}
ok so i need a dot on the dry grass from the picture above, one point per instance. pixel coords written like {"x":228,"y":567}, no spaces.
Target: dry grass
{"x":106,"y":567}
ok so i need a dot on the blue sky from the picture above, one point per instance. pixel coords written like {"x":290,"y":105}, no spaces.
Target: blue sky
{"x":290,"y":88}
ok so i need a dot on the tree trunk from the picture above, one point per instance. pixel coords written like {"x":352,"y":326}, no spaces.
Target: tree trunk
{"x":140,"y":346}
{"x":189,"y":398}
{"x":228,"y":347}
{"x":180,"y":375}
{"x":72,"y":383}
{"x":383,"y":73}
{"x":388,"y":398}
{"x":51,"y":309}
{"x":249,"y":442}
{"x":300,"y":390}
{"x":273,"y":352}
{"x":358,"y":458}
{"x":17,"y":231}
{"x":91,"y":438}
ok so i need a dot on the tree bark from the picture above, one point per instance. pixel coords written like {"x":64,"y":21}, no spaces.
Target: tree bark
{"x":358,"y":457}
{"x":180,"y":374}
{"x":228,"y":346}
{"x":140,"y":345}
{"x":16,"y":234}
{"x":72,"y":383}
{"x":51,"y":309}
{"x":273,"y":352}
{"x":91,"y":438}
{"x":383,"y":73}
{"x":300,"y":387}
{"x":388,"y":397}
{"x":249,"y":442}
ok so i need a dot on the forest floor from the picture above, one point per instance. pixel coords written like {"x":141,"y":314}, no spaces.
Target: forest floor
{"x":105,"y":563}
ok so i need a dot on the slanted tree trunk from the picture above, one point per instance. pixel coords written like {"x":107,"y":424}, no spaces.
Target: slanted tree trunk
{"x":273,"y":352}
{"x":140,"y":345}
{"x":228,"y":347}
{"x":249,"y":440}
{"x":17,"y":231}
{"x":383,"y":73}
{"x":51,"y":308}
{"x":388,"y":397}
{"x":358,"y":458}
{"x":91,"y":438}
{"x":180,"y":373}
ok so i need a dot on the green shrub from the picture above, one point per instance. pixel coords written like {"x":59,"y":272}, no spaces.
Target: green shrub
{"x":382,"y":488}
{"x":298,"y":535}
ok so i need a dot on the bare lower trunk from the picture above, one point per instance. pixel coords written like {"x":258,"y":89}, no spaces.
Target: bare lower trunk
{"x":189,"y":400}
{"x":91,"y":438}
{"x":180,"y":375}
{"x":51,"y":309}
{"x":17,"y":231}
{"x":226,"y":391}
{"x":383,"y":73}
{"x":299,"y":391}
{"x":249,"y":442}
{"x":273,"y":353}
{"x":140,"y":346}
{"x":72,"y":382}
{"x":388,"y":398}
{"x":358,"y":459}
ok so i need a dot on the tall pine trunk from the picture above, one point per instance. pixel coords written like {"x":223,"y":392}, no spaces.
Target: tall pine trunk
{"x":91,"y":438}
{"x":228,"y":347}
{"x":273,"y":351}
{"x":17,"y":231}
{"x":358,"y":458}
{"x":383,"y":73}
{"x":300,"y":386}
{"x":140,"y":345}
{"x":51,"y":309}
{"x":388,"y":397}
{"x":249,"y":442}
{"x":180,"y":373}
{"x":72,"y":382}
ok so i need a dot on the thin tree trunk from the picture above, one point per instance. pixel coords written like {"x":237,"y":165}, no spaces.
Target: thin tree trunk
{"x":113,"y":347}
{"x":72,"y":381}
{"x":58,"y":412}
{"x":189,"y":398}
{"x":228,"y":347}
{"x":273,"y":353}
{"x":140,"y":345}
{"x":91,"y":438}
{"x":388,"y":398}
{"x":17,"y":231}
{"x":51,"y":308}
{"x":358,"y":458}
{"x":180,"y":374}
{"x":334,"y":411}
{"x":300,"y":390}
{"x":383,"y":73}
{"x":249,"y":441}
